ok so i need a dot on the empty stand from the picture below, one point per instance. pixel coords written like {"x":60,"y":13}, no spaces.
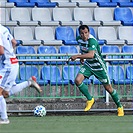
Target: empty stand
{"x":64,"y":3}
{"x":48,"y":50}
{"x":85,"y":3}
{"x":22,"y":16}
{"x":124,"y":15}
{"x":25,"y":34}
{"x":68,"y":50}
{"x":27,"y":71}
{"x":109,"y":34}
{"x":124,"y":3}
{"x":117,"y":75}
{"x":85,"y":16}
{"x":26,"y":50}
{"x":5,"y":17}
{"x":112,"y":49}
{"x":43,"y":16}
{"x":64,"y":16}
{"x":43,"y":3}
{"x":66,"y":34}
{"x":128,"y":50}
{"x":53,"y":75}
{"x":126,"y":33}
{"x":129,"y":73}
{"x":105,"y":3}
{"x":46,"y":35}
{"x":106,"y":16}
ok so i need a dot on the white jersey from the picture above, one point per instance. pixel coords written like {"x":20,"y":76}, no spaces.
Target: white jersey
{"x":9,"y":57}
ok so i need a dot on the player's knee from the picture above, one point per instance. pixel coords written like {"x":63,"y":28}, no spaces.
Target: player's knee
{"x":5,"y":94}
{"x":77,"y":81}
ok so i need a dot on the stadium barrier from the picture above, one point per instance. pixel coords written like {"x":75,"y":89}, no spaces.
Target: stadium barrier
{"x":65,"y":88}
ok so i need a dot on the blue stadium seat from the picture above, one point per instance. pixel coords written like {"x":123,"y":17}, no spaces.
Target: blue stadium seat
{"x":129,"y":74}
{"x":112,"y":49}
{"x":48,"y":50}
{"x":22,"y":3}
{"x":128,"y":49}
{"x":27,"y":71}
{"x":92,"y":32}
{"x":66,"y":34}
{"x":68,"y":50}
{"x":124,"y":15}
{"x":105,"y":3}
{"x":70,"y":72}
{"x":43,"y":3}
{"x":123,"y":3}
{"x":116,"y":74}
{"x":26,"y":50}
{"x":53,"y":75}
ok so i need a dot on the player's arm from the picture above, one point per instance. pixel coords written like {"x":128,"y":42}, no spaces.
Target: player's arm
{"x":14,"y":43}
{"x":88,"y":55}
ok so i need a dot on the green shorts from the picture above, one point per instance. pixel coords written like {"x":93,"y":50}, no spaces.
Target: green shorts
{"x":101,"y":75}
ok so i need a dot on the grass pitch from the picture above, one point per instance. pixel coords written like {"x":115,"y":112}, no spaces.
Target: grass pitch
{"x":69,"y":124}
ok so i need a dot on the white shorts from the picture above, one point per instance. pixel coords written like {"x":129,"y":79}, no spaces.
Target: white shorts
{"x":8,"y":77}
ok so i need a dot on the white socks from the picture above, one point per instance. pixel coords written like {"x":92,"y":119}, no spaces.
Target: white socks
{"x":19,"y":87}
{"x":3,"y":110}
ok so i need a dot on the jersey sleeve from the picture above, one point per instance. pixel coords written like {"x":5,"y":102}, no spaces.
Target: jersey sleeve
{"x":92,"y":44}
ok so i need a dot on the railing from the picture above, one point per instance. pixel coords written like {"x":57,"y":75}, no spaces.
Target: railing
{"x":69,"y":90}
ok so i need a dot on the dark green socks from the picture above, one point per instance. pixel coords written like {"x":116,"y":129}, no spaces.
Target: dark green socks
{"x":116,"y":98}
{"x":84,"y":89}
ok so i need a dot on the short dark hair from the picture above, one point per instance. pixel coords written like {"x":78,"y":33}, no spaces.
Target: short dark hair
{"x":82,"y":27}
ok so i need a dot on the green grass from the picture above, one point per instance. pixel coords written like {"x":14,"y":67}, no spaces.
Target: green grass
{"x":69,"y":124}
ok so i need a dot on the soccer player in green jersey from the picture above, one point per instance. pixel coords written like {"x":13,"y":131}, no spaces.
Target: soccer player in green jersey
{"x":93,"y":64}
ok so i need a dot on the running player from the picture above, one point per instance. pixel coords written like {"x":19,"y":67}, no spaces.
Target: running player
{"x":93,"y":65}
{"x":8,"y":72}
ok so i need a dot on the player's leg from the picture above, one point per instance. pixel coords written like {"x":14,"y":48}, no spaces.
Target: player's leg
{"x":19,"y":87}
{"x":104,"y":78}
{"x":116,"y":99}
{"x":83,"y":72}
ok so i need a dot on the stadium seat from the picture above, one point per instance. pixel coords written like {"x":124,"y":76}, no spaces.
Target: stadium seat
{"x":106,"y":16}
{"x":22,"y":3}
{"x":25,"y":34}
{"x":27,"y":71}
{"x":68,"y":50}
{"x":44,"y":3}
{"x":105,"y":3}
{"x":53,"y":75}
{"x":64,"y":16}
{"x":47,"y":36}
{"x":85,"y":3}
{"x":111,"y":49}
{"x":109,"y":34}
{"x":129,"y":74}
{"x":85,"y":16}
{"x":69,"y":73}
{"x":48,"y":50}
{"x":5,"y":18}
{"x":43,"y":16}
{"x":125,"y":33}
{"x":124,"y":3}
{"x":117,"y":75}
{"x":66,"y":34}
{"x":128,"y":49}
{"x":64,"y":3}
{"x":92,"y":32}
{"x":124,"y":15}
{"x":22,"y":16}
{"x":5,"y":4}
{"x":26,"y":50}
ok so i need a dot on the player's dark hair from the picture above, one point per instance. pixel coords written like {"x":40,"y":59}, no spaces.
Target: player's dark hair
{"x":82,"y":27}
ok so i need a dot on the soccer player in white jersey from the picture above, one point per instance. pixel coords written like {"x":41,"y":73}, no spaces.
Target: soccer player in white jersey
{"x":93,"y":65}
{"x":8,"y":72}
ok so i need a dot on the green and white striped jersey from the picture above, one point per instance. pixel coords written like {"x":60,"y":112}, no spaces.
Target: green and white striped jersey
{"x":96,"y":63}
